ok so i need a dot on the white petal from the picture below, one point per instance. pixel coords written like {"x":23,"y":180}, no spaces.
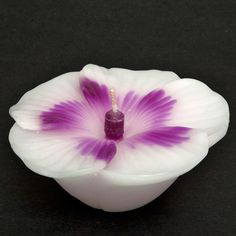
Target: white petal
{"x":60,"y":89}
{"x":66,"y":88}
{"x":124,"y":80}
{"x":157,"y":163}
{"x":52,"y":154}
{"x":198,"y":107}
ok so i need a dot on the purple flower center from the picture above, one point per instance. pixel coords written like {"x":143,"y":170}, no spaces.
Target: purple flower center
{"x":114,"y":125}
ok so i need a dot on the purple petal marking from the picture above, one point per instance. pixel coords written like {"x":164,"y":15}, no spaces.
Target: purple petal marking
{"x":165,"y":136}
{"x":101,"y":149}
{"x":70,"y":114}
{"x":145,"y":118}
{"x":96,"y":95}
{"x":63,"y":116}
{"x":150,"y":111}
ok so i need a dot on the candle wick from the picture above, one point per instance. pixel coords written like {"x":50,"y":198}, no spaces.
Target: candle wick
{"x":113,"y":100}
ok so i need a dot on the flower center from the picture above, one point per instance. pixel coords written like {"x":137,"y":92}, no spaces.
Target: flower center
{"x":114,"y":120}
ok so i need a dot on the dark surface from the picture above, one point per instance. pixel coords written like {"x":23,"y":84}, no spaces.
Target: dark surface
{"x":42,"y":39}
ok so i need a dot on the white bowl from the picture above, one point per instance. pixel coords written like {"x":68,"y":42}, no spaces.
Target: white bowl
{"x":102,"y":193}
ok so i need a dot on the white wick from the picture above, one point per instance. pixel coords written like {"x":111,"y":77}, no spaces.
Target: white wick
{"x":113,"y":100}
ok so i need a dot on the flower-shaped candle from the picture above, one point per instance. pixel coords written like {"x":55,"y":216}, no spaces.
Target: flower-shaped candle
{"x":116,"y":138}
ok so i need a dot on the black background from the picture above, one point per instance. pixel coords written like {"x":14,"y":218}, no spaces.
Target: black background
{"x":42,"y":39}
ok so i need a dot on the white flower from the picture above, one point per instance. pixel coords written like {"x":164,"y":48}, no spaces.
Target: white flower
{"x":170,"y":123}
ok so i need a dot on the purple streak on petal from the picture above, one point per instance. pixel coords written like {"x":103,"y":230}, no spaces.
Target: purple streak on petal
{"x":148,"y":112}
{"x":100,"y":149}
{"x":164,"y":136}
{"x":146,"y":117}
{"x":155,"y":106}
{"x":129,"y":101}
{"x":63,"y":116}
{"x":97,"y":96}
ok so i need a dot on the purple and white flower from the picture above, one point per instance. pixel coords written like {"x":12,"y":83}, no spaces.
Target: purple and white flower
{"x":170,"y":123}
